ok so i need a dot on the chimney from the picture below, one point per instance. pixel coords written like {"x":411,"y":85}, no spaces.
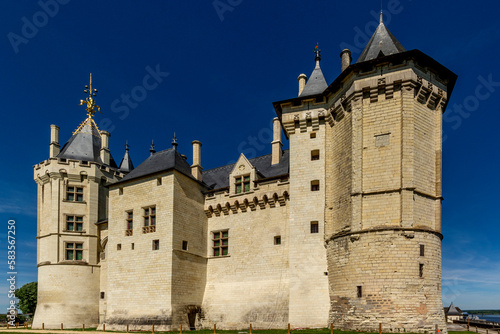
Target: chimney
{"x":346,"y":58}
{"x":196,"y":166}
{"x":276,"y":143}
{"x":54,"y":141}
{"x":302,"y":82}
{"x":105,"y":155}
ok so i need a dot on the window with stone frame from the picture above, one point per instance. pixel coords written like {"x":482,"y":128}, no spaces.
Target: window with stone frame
{"x":315,"y":185}
{"x":130,"y":223}
{"x":220,"y":243}
{"x":74,"y":194}
{"x":156,"y":244}
{"x":314,"y":155}
{"x":74,"y":251}
{"x":74,"y":223}
{"x":314,"y":227}
{"x":242,"y":184}
{"x":149,"y":219}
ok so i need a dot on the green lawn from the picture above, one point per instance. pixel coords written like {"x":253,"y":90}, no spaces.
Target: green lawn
{"x":244,"y":331}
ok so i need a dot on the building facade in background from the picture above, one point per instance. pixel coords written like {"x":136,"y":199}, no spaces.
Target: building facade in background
{"x":342,"y":228}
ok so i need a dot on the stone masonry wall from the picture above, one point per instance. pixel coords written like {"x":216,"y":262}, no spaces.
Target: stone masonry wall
{"x":251,"y":284}
{"x":140,"y":278}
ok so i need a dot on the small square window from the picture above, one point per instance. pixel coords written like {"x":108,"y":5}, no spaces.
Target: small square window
{"x":158,"y":181}
{"x":74,"y":223}
{"x":184,"y":245}
{"x":314,"y":227}
{"x":242,"y":184}
{"x":156,"y":244}
{"x":314,"y":155}
{"x":119,"y":247}
{"x":422,"y":250}
{"x":120,"y":191}
{"x":360,"y":291}
{"x":102,"y":294}
{"x":277,"y":240}
{"x":74,"y":194}
{"x":74,"y":251}
{"x":315,"y":185}
{"x":133,"y":246}
{"x":313,"y":135}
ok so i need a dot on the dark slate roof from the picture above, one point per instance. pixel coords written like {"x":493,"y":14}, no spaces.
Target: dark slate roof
{"x":126,"y":166}
{"x":159,"y":162}
{"x":85,"y":144}
{"x":316,"y":83}
{"x":452,"y":310}
{"x":219,"y":177}
{"x":382,"y":43}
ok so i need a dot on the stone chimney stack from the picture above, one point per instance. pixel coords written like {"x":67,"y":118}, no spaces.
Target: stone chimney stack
{"x":346,"y":58}
{"x":276,"y":143}
{"x":302,"y":82}
{"x":54,"y":141}
{"x":105,"y":153}
{"x":196,"y":166}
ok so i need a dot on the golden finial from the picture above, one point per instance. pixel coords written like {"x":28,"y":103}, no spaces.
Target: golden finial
{"x":89,"y":101}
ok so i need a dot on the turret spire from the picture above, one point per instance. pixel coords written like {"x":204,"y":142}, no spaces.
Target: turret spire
{"x":126,"y":166}
{"x":174,"y":142}
{"x":152,"y":148}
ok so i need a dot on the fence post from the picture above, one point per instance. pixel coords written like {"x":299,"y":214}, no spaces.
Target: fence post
{"x":103,"y":327}
{"x":153,"y":329}
{"x":83,"y":327}
{"x":476,"y":330}
{"x":215,"y":328}
{"x":288,"y":328}
{"x":379,"y":328}
{"x":331,"y":328}
{"x":62,"y":326}
{"x":7,"y":325}
{"x":43,"y":325}
{"x":181,"y":329}
{"x":436,"y":329}
{"x":17,"y":325}
{"x":250,"y":328}
{"x":127,"y":328}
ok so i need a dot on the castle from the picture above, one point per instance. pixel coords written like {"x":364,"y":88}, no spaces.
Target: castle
{"x":342,"y":228}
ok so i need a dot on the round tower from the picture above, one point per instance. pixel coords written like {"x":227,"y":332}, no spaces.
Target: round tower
{"x":72,"y":198}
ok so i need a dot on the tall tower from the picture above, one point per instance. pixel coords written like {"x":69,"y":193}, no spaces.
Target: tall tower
{"x":72,"y":198}
{"x":304,"y":122}
{"x":380,"y":128}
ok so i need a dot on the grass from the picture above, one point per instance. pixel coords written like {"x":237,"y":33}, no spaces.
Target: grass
{"x":244,"y":331}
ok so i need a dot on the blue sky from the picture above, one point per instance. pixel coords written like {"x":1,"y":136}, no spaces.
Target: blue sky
{"x":217,"y":73}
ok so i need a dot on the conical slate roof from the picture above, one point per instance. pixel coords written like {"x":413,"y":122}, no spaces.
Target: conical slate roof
{"x":316,"y":83}
{"x":452,"y":310}
{"x":126,"y":166}
{"x":382,"y":43}
{"x":85,"y":144}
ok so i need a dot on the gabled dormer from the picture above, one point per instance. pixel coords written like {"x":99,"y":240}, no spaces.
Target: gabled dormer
{"x":242,"y":177}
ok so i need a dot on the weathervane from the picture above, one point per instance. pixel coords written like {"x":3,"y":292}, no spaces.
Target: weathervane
{"x":89,"y":101}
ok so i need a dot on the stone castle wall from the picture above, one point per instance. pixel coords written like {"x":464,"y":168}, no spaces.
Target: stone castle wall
{"x":251,"y":284}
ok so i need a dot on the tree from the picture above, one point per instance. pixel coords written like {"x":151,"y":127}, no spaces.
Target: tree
{"x":27,"y":295}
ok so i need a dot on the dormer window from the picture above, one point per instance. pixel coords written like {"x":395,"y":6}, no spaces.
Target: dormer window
{"x":242,"y":184}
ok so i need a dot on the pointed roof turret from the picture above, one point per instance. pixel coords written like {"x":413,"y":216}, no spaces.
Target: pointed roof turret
{"x":126,"y":166}
{"x":382,"y":43}
{"x":316,"y":83}
{"x":85,"y":144}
